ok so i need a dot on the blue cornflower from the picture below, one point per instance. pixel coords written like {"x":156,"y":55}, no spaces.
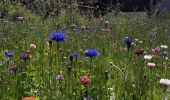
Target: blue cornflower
{"x":128,"y":42}
{"x":91,"y":53}
{"x":58,"y":36}
{"x":9,"y":54}
{"x":165,"y":53}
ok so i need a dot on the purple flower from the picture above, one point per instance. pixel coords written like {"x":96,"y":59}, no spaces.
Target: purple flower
{"x":58,"y":36}
{"x":128,"y":42}
{"x":165,"y":53}
{"x":9,"y":54}
{"x":24,"y":57}
{"x":13,"y":68}
{"x":59,"y":77}
{"x":91,"y":53}
{"x":88,"y":98}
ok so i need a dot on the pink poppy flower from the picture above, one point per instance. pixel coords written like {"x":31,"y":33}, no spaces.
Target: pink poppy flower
{"x":164,"y":82}
{"x":156,"y":50}
{"x":84,"y":80}
{"x":151,"y":65}
{"x":33,"y":46}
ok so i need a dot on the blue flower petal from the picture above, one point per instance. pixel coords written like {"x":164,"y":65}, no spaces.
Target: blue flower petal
{"x":91,"y":53}
{"x":58,"y":36}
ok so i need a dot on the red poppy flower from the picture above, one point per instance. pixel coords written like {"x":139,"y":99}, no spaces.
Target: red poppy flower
{"x":29,"y":98}
{"x":138,"y":52}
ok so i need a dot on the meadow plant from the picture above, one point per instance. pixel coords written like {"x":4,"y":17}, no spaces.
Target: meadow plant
{"x":52,"y":58}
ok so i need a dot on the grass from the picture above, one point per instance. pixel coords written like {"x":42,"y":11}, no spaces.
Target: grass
{"x":115,"y":71}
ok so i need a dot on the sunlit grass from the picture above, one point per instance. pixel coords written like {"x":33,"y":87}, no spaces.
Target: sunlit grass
{"x":115,"y":70}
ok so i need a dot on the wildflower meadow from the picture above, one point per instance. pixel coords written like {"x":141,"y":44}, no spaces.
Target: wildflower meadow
{"x":107,"y":58}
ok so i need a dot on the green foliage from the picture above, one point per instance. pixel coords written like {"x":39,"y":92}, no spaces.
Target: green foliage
{"x":115,"y":72}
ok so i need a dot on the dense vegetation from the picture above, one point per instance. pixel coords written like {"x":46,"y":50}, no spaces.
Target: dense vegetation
{"x":76,"y":57}
{"x":51,"y":8}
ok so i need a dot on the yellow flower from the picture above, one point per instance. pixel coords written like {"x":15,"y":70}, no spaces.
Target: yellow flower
{"x":46,"y":53}
{"x":61,"y":72}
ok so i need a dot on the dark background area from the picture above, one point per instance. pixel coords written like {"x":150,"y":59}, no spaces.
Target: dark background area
{"x":49,"y":8}
{"x":104,"y":6}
